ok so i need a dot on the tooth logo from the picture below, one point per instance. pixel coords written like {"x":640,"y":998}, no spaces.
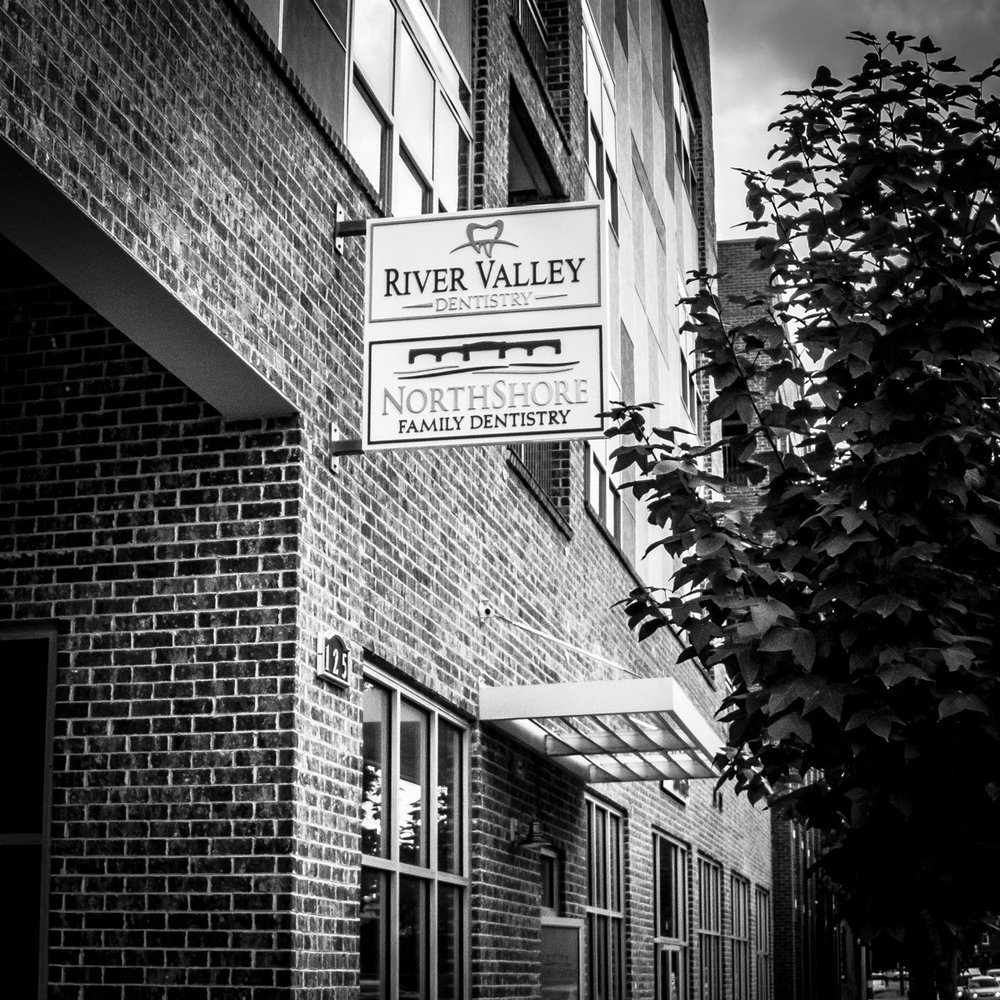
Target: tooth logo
{"x":483,"y":239}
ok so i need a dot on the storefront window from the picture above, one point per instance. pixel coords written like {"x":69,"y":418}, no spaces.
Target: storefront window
{"x":740,"y":898}
{"x":414,"y":881}
{"x":605,"y":905}
{"x":671,"y":936}
{"x":710,"y":929}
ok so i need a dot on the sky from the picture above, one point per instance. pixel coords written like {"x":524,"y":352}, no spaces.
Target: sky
{"x":761,"y":48}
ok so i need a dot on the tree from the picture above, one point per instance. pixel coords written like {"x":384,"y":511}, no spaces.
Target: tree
{"x":856,"y":610}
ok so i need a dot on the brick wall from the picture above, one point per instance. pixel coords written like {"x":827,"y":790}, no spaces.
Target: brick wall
{"x":164,"y":543}
{"x":206,"y":785}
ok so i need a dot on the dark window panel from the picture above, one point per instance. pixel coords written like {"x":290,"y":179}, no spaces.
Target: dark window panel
{"x":317,"y":58}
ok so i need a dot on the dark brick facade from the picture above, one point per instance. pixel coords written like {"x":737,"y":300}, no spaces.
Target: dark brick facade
{"x":204,"y":837}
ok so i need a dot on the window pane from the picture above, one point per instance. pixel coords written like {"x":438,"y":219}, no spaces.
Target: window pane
{"x":547,"y":866}
{"x":366,"y":137}
{"x":317,"y":56}
{"x":374,"y":28}
{"x":595,"y":87}
{"x":608,"y":130}
{"x":599,"y":860}
{"x":413,"y":927}
{"x":412,"y":787}
{"x":449,"y":929}
{"x":374,"y":804}
{"x":446,"y":165}
{"x":455,"y":18}
{"x":409,"y":194}
{"x":415,"y":102}
{"x":22,"y":892}
{"x":667,"y":924}
{"x":374,"y":935}
{"x":336,"y":14}
{"x":449,"y":798}
{"x":25,"y":664}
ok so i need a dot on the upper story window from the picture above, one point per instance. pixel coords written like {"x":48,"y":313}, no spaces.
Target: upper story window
{"x":684,"y":135}
{"x":601,"y":136}
{"x":393,"y":78}
{"x":414,"y":869}
{"x":406,"y":122}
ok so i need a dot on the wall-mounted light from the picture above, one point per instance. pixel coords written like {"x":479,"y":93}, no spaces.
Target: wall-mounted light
{"x":527,"y":835}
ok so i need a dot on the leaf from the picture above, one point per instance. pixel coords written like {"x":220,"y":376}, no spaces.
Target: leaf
{"x":790,"y":724}
{"x":958,"y":701}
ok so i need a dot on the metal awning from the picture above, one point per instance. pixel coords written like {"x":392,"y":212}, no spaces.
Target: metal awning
{"x":644,"y":729}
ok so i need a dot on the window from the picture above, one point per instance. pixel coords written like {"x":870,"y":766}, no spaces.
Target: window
{"x":28,"y":660}
{"x":710,"y":929}
{"x":605,"y":903}
{"x":600,"y":137}
{"x":407,"y":124}
{"x":739,"y":894}
{"x":671,"y":901}
{"x":550,"y":875}
{"x":684,"y":135}
{"x":762,"y":943}
{"x":312,"y":36}
{"x":607,"y":504}
{"x":414,"y":881}
{"x":561,"y":937}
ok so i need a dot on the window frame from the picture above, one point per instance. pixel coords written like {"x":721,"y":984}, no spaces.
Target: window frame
{"x":43,"y":839}
{"x":685,"y":132}
{"x":763,"y":943}
{"x":709,"y":928}
{"x":600,"y":136}
{"x":681,"y":883}
{"x":389,"y":865}
{"x":605,"y":865}
{"x":739,"y":902}
{"x":449,"y":88}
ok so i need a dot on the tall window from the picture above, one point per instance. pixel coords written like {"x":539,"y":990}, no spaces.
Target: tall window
{"x":684,"y":135}
{"x":671,"y":933}
{"x":407,"y":124}
{"x":414,"y":880}
{"x":740,"y":898}
{"x":393,"y":75}
{"x":762,"y":943}
{"x":600,"y":137}
{"x":27,"y":658}
{"x":710,"y":929}
{"x":605,"y":903}
{"x":601,"y":491}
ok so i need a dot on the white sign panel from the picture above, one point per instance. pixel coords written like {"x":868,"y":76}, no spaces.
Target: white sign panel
{"x":485,"y":326}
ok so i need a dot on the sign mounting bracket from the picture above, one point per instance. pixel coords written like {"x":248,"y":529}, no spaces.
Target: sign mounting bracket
{"x":340,"y":445}
{"x":344,"y":227}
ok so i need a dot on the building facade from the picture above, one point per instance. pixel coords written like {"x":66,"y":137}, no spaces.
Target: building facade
{"x":197,"y":812}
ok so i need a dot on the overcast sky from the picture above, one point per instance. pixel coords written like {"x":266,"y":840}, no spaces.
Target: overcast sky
{"x":763,"y":47}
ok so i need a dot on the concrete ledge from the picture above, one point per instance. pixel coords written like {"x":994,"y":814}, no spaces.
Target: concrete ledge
{"x":46,"y":225}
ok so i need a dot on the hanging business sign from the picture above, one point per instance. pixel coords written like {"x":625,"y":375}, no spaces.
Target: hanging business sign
{"x":485,"y":327}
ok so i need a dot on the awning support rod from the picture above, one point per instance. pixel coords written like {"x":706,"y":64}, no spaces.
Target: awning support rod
{"x":487,"y":611}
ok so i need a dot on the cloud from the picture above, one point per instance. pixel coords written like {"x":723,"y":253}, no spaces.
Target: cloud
{"x":761,"y":48}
